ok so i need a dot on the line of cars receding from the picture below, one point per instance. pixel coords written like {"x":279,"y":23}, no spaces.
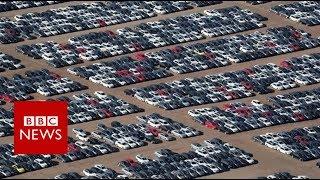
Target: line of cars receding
{"x":15,"y":5}
{"x":283,"y":175}
{"x":231,"y":85}
{"x":8,"y":62}
{"x":152,"y":128}
{"x":42,"y":81}
{"x":305,"y":12}
{"x":301,"y":143}
{"x":6,"y":122}
{"x":98,"y":171}
{"x":11,"y":164}
{"x":144,"y":36}
{"x":83,"y":107}
{"x":211,"y":157}
{"x":120,"y":72}
{"x":85,"y":16}
{"x":86,"y":107}
{"x":201,"y":56}
{"x":237,"y":117}
{"x":236,"y":49}
{"x":79,"y":149}
{"x":257,"y":2}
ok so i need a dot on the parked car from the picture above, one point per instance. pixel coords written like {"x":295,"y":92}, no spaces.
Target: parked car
{"x":300,"y":143}
{"x":305,"y":12}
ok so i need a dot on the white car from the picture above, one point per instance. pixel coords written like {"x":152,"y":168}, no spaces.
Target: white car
{"x":41,"y":163}
{"x":301,"y":177}
{"x":81,"y":144}
{"x":87,"y":172}
{"x":100,"y":94}
{"x":79,"y":131}
{"x":82,"y":137}
{"x":284,"y":149}
{"x":256,"y":103}
{"x":101,"y":148}
{"x":122,"y":144}
{"x":141,"y":159}
{"x":271,"y":144}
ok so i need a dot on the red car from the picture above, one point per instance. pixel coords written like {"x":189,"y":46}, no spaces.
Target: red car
{"x":233,"y":95}
{"x":296,"y":35}
{"x":209,"y":55}
{"x":176,"y":49}
{"x":243,"y":111}
{"x":101,"y":22}
{"x":295,"y":47}
{"x":140,"y":78}
{"x":285,"y":64}
{"x":110,"y":33}
{"x":131,"y":162}
{"x":227,"y":106}
{"x":154,"y":131}
{"x":270,"y":44}
{"x":298,"y":117}
{"x":7,"y":98}
{"x":247,"y":85}
{"x":72,"y":147}
{"x":107,"y":112}
{"x":92,"y":102}
{"x":211,"y":125}
{"x":162,"y":92}
{"x":81,"y":50}
{"x":222,"y":88}
{"x":248,"y":71}
{"x":139,"y":56}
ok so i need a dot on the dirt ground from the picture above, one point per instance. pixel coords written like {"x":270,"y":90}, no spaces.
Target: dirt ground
{"x":270,"y":161}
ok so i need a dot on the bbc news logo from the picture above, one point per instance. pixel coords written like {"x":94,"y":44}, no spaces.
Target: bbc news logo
{"x":40,"y":121}
{"x":40,"y":127}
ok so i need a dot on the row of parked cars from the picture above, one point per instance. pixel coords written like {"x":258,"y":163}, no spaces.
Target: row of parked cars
{"x":79,"y":149}
{"x":83,"y":107}
{"x":152,"y":128}
{"x":98,"y":171}
{"x":211,"y":157}
{"x":42,"y":81}
{"x":6,"y":124}
{"x":301,"y":143}
{"x":11,"y":164}
{"x":238,"y":48}
{"x":260,"y":79}
{"x":85,"y":16}
{"x":191,"y":27}
{"x":283,"y":175}
{"x":257,"y":2}
{"x":86,"y":107}
{"x":120,"y":72}
{"x":8,"y":62}
{"x":15,"y":5}
{"x":180,"y":59}
{"x":305,"y":12}
{"x":237,"y":117}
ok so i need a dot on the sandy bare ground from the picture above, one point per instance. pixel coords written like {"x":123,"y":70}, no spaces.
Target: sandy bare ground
{"x":270,"y":161}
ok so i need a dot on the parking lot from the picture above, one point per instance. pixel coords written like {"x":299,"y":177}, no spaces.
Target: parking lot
{"x":269,"y":161}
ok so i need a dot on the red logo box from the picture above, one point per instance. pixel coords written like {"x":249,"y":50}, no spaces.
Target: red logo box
{"x":40,"y":127}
